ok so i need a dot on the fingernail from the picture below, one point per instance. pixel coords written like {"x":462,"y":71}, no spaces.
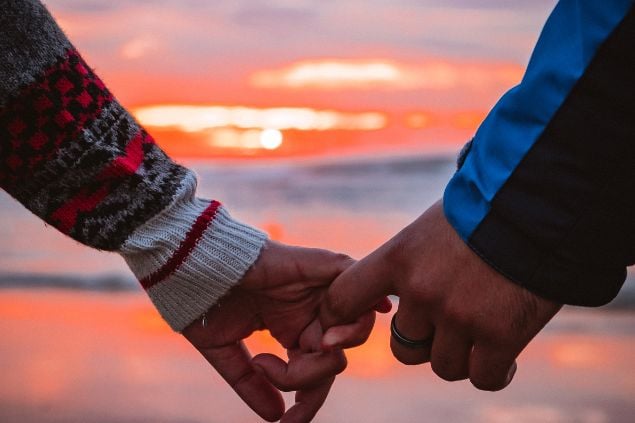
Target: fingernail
{"x":329,"y":341}
{"x":511,"y":373}
{"x":384,"y":306}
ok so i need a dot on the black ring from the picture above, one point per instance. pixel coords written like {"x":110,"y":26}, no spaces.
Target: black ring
{"x":406,"y":342}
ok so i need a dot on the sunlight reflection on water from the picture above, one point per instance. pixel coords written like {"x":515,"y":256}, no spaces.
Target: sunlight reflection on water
{"x":77,"y":356}
{"x":91,"y":356}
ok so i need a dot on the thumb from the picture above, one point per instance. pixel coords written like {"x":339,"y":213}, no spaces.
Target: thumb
{"x":359,"y":289}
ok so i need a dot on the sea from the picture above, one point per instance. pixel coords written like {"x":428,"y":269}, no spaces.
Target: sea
{"x":80,"y":342}
{"x":347,"y":205}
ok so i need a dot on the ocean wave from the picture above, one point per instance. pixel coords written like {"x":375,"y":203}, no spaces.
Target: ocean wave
{"x":107,"y":282}
{"x":117,"y":282}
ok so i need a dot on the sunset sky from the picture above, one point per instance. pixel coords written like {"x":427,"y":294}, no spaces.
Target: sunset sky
{"x":229,"y":78}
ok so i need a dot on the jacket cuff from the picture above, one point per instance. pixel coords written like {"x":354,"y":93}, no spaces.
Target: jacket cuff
{"x":189,"y":256}
{"x":559,"y":276}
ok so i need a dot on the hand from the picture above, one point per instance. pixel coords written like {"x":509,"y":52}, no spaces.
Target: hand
{"x":478,"y":320}
{"x":281,"y":292}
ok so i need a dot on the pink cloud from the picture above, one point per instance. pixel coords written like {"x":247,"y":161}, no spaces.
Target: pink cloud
{"x":338,"y":74}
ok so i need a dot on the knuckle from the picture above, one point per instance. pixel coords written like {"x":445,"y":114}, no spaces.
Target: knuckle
{"x":409,"y":360}
{"x":409,"y":357}
{"x":447,"y":371}
{"x":285,"y":385}
{"x":397,"y":256}
{"x":358,"y":339}
{"x":416,"y":291}
{"x":344,"y":262}
{"x":341,"y":365}
{"x":488,"y":381}
{"x":458,"y":316}
{"x":490,"y":384}
{"x":396,"y":252}
{"x":333,"y":306}
{"x":344,"y":258}
{"x":492,"y":332}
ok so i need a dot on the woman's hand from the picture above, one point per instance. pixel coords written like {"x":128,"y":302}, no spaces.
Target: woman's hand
{"x":282,"y":292}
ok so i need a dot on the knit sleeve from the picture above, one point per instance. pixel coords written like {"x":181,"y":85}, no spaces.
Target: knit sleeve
{"x":71,"y":154}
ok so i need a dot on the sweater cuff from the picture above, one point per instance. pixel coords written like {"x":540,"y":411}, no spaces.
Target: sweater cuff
{"x":189,"y":256}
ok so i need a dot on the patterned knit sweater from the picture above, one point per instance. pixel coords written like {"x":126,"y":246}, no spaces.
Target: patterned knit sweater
{"x":71,"y":154}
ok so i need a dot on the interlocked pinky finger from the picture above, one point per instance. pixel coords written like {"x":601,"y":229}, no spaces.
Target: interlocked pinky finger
{"x":304,"y":370}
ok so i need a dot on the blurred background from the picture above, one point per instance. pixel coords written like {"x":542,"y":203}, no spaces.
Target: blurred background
{"x":330,"y":124}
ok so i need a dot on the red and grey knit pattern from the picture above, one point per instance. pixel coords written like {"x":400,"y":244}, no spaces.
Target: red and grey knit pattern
{"x":73,"y":156}
{"x":190,"y":255}
{"x":76,"y":158}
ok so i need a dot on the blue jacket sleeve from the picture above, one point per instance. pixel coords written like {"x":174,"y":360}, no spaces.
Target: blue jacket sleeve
{"x":546,"y":192}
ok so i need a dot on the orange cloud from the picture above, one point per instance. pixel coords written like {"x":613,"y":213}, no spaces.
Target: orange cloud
{"x":373,"y":74}
{"x":250,"y":139}
{"x":195,"y":118}
{"x":247,"y":130}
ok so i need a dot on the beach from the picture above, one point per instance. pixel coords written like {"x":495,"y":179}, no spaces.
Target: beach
{"x":330,"y":125}
{"x":82,"y":343}
{"x":70,"y":356}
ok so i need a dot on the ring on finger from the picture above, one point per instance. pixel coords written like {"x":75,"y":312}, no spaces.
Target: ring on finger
{"x":404,"y":340}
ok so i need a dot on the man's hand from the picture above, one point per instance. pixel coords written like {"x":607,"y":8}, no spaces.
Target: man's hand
{"x":478,"y":320}
{"x":282,"y":292}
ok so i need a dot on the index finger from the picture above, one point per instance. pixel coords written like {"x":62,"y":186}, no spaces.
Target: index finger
{"x":357,"y":290}
{"x":233,"y":363}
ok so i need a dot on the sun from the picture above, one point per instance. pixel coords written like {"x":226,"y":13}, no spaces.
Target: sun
{"x":271,"y":139}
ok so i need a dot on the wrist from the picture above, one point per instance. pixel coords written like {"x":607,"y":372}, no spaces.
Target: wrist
{"x":191,"y":255}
